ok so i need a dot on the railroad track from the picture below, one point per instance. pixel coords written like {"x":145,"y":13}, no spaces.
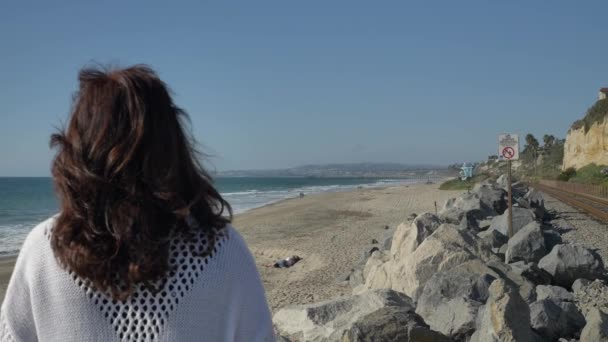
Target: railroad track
{"x":595,"y":206}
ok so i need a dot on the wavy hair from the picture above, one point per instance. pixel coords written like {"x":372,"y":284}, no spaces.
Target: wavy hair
{"x":129,"y":179}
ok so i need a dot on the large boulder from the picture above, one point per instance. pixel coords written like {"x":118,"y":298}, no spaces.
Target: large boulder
{"x":552,"y":238}
{"x":454,"y":211}
{"x":408,"y":237}
{"x":596,"y":329}
{"x":534,"y":200}
{"x":590,"y":295}
{"x":450,"y":301}
{"x":505,"y":316}
{"x":526,"y":288}
{"x":328,"y":320}
{"x":554,"y":293}
{"x":555,"y":313}
{"x":408,"y":270}
{"x":387,"y":239}
{"x":553,"y":318}
{"x":521,"y":217}
{"x":493,"y":199}
{"x":391,"y":324}
{"x":531,"y":272}
{"x":502,"y":182}
{"x":566,"y":263}
{"x":528,"y":244}
{"x":484,"y":201}
{"x":493,"y":238}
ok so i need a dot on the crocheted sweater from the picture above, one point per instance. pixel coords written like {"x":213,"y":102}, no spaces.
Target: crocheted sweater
{"x":217,"y":298}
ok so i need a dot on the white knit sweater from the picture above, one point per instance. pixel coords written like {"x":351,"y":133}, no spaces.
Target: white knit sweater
{"x":218,"y":298}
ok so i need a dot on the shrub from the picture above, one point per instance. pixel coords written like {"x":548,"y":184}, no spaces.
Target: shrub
{"x":596,"y":114}
{"x":590,"y":174}
{"x":567,"y":174}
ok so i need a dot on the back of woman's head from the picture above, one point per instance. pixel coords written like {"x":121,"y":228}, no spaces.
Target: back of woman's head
{"x":128,"y":179}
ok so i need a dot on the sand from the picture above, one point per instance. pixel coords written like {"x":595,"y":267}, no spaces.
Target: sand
{"x":6,"y":267}
{"x":330,"y":231}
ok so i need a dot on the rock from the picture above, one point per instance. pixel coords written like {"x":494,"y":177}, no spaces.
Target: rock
{"x":552,"y":238}
{"x":521,"y":217}
{"x":327,"y":321}
{"x":355,"y":278}
{"x":519,"y":189}
{"x":505,"y":316}
{"x":387,"y":240}
{"x":408,"y":237}
{"x":484,"y":224}
{"x":526,"y":289}
{"x":500,"y":251}
{"x":494,"y":199}
{"x":528,"y":244}
{"x":596,"y":329}
{"x":469,"y":202}
{"x":580,"y":284}
{"x":450,"y":301}
{"x":531,"y":272}
{"x":553,"y":319}
{"x":502,"y":181}
{"x":555,"y":293}
{"x":412,"y":216}
{"x":374,"y":241}
{"x":592,"y":295}
{"x":391,"y":324}
{"x":373,"y":262}
{"x":411,"y":265}
{"x":469,"y":221}
{"x":493,"y":238}
{"x":282,"y":339}
{"x":369,"y":252}
{"x":566,"y":263}
{"x":535,"y":201}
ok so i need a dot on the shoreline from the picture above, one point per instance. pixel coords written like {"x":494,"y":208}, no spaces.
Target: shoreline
{"x":263,"y":225}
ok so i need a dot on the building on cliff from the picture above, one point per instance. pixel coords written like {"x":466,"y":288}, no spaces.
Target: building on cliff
{"x":602,"y":93}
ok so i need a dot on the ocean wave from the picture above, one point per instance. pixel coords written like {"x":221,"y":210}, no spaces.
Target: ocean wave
{"x":243,"y":201}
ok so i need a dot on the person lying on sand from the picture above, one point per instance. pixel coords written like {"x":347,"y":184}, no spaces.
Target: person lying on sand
{"x":287,"y":262}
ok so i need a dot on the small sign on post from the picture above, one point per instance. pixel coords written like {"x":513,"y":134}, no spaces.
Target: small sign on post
{"x":508,"y":146}
{"x":508,"y":149}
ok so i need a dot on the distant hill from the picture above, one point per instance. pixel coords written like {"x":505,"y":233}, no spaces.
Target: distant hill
{"x":342,"y":170}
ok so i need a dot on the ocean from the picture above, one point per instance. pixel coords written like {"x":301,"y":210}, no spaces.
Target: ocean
{"x":24,"y":202}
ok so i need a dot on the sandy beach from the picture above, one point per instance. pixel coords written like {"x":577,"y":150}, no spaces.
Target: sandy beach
{"x":330,"y":231}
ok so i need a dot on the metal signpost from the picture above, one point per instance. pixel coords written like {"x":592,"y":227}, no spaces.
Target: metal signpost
{"x":508,"y":149}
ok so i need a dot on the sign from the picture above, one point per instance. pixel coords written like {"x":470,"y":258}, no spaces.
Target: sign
{"x":508,"y":146}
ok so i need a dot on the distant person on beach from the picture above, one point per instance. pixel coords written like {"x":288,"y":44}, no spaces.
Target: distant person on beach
{"x":142,"y":249}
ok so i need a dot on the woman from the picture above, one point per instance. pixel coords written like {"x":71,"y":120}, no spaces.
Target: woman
{"x":140,"y":250}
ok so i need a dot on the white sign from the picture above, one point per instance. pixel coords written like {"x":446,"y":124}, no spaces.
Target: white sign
{"x":508,"y":146}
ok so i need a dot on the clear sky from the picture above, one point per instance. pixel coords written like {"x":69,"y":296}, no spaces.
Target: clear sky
{"x":272,"y":84}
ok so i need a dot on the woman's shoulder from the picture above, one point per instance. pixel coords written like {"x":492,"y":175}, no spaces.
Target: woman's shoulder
{"x":38,"y":239}
{"x":235,"y":246}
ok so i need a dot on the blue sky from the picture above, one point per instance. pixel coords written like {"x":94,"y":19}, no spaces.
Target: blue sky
{"x":271,"y":84}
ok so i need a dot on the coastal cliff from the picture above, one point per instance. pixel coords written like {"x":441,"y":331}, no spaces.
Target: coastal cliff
{"x":587,"y":139}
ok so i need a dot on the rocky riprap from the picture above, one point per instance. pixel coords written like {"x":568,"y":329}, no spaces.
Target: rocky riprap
{"x":456,"y":276}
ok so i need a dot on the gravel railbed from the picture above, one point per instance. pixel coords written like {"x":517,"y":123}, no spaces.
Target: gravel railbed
{"x":579,"y":228}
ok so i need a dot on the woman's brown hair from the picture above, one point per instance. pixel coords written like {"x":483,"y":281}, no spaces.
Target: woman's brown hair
{"x":128,"y":179}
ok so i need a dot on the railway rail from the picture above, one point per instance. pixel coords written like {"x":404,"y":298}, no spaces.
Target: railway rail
{"x":592,"y":202}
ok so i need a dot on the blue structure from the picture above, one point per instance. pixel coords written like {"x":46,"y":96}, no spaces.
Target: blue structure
{"x":466,"y":171}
